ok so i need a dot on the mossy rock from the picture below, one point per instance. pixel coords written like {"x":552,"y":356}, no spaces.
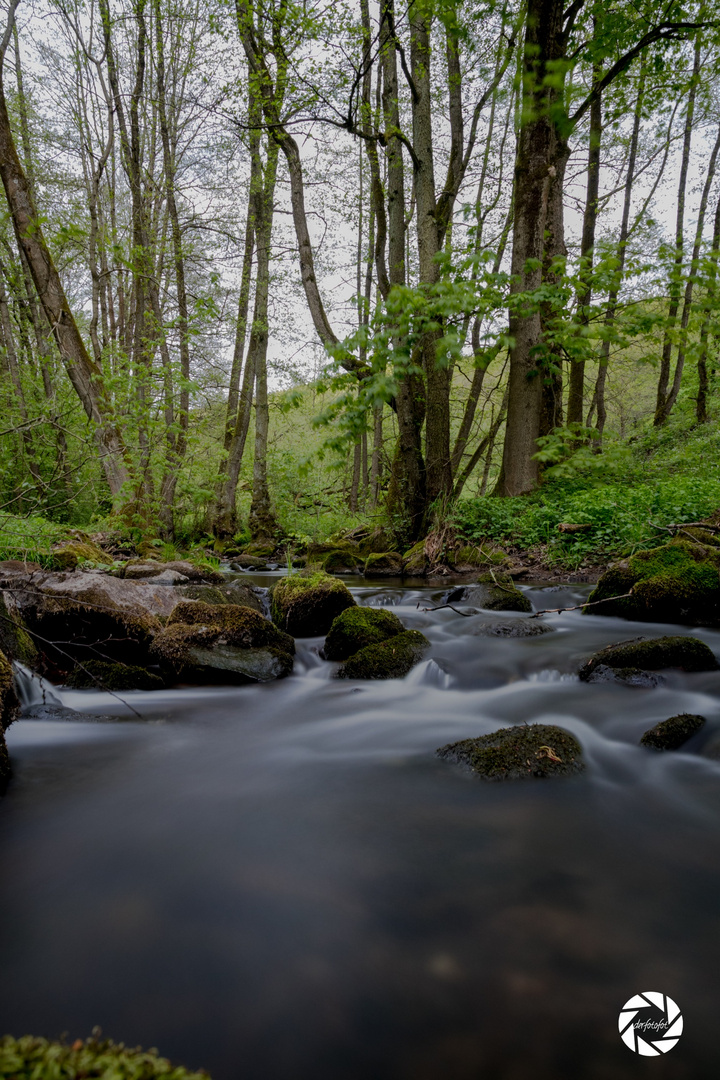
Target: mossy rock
{"x":236,"y":593}
{"x":260,"y":551}
{"x":90,"y":622}
{"x":69,"y":555}
{"x":493,"y":592}
{"x":147,"y":549}
{"x":375,"y":542}
{"x":384,"y":564}
{"x":626,"y":676}
{"x":676,"y":582}
{"x":655,"y":654}
{"x":390,"y":659}
{"x":306,"y":604}
{"x":8,"y":698}
{"x":247,"y":562}
{"x":358,"y":627}
{"x":9,"y":707}
{"x":31,"y":1058}
{"x":673,"y":733}
{"x":342,"y":561}
{"x":15,"y":641}
{"x":206,"y":642}
{"x":101,"y":675}
{"x":415,"y":562}
{"x":521,"y":752}
{"x":468,"y":558}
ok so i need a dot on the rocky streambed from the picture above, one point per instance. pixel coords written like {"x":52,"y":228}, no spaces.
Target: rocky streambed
{"x":285,"y":873}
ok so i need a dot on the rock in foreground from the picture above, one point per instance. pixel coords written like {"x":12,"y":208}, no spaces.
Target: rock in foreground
{"x":671,"y":734}
{"x":518,"y":753}
{"x":391,"y":659}
{"x":357,"y":627}
{"x":641,"y":654}
{"x":305,"y":605}
{"x":31,"y":1058}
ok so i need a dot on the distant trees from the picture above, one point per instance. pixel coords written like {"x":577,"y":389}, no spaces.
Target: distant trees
{"x":461,"y":201}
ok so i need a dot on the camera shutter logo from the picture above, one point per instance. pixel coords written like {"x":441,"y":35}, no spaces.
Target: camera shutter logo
{"x":650,"y":1023}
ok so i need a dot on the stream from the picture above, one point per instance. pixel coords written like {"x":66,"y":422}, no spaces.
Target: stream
{"x":282,"y":882}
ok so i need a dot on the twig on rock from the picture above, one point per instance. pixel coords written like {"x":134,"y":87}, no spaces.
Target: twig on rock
{"x":578,"y":607}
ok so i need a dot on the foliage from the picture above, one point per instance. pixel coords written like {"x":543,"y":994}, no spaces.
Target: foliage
{"x":30,"y":1058}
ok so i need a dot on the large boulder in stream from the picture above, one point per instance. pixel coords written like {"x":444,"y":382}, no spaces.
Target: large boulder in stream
{"x":306,"y":604}
{"x":521,"y":752}
{"x":677,"y":582}
{"x":671,"y":734}
{"x":640,"y":655}
{"x":357,"y":627}
{"x":493,"y":591}
{"x":222,"y":643}
{"x":390,"y":659}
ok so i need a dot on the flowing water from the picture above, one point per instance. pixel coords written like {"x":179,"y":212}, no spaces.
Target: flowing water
{"x":282,"y":882}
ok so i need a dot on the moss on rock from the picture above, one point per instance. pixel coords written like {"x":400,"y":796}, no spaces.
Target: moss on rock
{"x":358,"y":627}
{"x":415,"y":562}
{"x":31,"y":1058}
{"x":656,"y":654}
{"x":390,"y":659}
{"x":494,"y":592}
{"x":671,"y":734}
{"x":676,"y":582}
{"x":105,"y":676}
{"x":15,"y":641}
{"x":345,"y":560}
{"x":306,"y":604}
{"x":202,"y":640}
{"x":518,"y":753}
{"x":384,"y":564}
{"x":69,"y":555}
{"x":236,"y":593}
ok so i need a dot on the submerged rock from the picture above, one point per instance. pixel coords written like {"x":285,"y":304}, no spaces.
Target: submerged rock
{"x":358,"y":627}
{"x":384,"y":564}
{"x":518,"y":628}
{"x":208,"y":643}
{"x":247,"y":562}
{"x":97,"y":674}
{"x":671,"y":734}
{"x":518,"y":753}
{"x":628,"y":676}
{"x":655,"y":654}
{"x":305,"y":605}
{"x":676,"y":582}
{"x":390,"y":659}
{"x":494,"y":592}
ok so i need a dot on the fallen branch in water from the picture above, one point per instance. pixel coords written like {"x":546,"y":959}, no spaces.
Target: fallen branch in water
{"x":578,"y":607}
{"x":465,"y":614}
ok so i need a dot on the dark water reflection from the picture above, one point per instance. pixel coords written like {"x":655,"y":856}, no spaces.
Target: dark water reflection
{"x":283,"y":883}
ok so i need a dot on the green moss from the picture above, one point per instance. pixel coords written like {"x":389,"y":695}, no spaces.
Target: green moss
{"x":384,"y":564}
{"x":306,"y":604}
{"x":30,"y":1058}
{"x":358,"y":627}
{"x":15,"y":641}
{"x":671,"y":734}
{"x":391,"y":659}
{"x":69,"y":555}
{"x":686,"y":653}
{"x":8,"y":698}
{"x":98,"y":673}
{"x":676,"y":582}
{"x":195,"y":625}
{"x":497,"y":592}
{"x":518,"y":753}
{"x":342,"y":561}
{"x":235,"y":593}
{"x":415,"y":561}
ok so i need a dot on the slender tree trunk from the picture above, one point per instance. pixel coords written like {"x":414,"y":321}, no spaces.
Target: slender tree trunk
{"x":85,"y":376}
{"x":576,"y":387}
{"x":701,"y":409}
{"x":662,"y":408}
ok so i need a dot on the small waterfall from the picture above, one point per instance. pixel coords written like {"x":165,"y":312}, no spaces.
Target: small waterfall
{"x":33,"y":690}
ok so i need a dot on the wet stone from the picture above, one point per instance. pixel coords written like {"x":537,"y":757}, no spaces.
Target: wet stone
{"x":671,"y":734}
{"x":521,"y":752}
